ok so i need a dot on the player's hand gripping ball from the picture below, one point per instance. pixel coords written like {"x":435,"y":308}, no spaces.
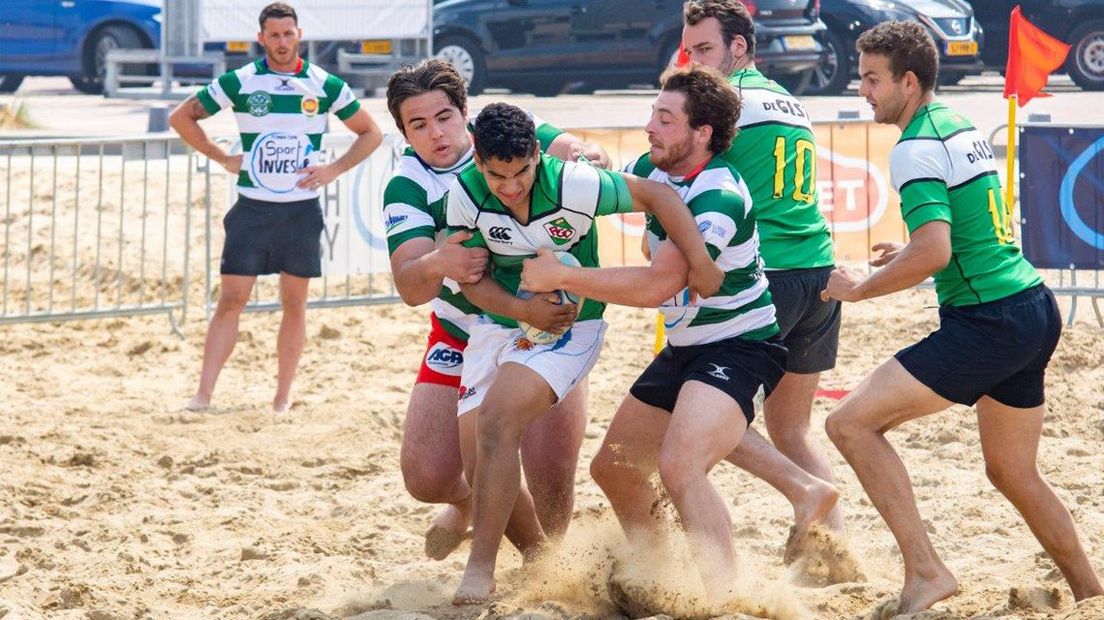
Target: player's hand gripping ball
{"x":537,"y":335}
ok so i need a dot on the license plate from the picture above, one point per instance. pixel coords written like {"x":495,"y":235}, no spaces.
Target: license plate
{"x":377,"y":46}
{"x":238,"y":47}
{"x":799,"y":42}
{"x":962,"y":48}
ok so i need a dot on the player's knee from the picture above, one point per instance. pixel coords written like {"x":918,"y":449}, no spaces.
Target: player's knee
{"x":840,"y":429}
{"x":676,"y":473}
{"x":293,"y":303}
{"x":604,"y":469}
{"x":425,"y":484}
{"x":1005,"y":477}
{"x":232,"y":302}
{"x":497,"y":428}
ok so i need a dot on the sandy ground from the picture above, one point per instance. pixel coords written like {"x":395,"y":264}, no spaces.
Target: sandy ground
{"x":116,"y":504}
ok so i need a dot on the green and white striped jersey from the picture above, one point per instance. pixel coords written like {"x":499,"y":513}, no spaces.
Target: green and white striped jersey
{"x":944,"y":169}
{"x":281,"y":118}
{"x":722,"y":206}
{"x":564,"y":200}
{"x":414,"y":207}
{"x":774,"y":152}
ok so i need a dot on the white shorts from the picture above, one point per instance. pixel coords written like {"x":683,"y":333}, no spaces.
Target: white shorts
{"x":562,"y":364}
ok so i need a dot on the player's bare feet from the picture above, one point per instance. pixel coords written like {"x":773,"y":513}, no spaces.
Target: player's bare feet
{"x":446,"y":533}
{"x":475,"y":588}
{"x":198,"y":403}
{"x":921,"y":592}
{"x":819,"y":499}
{"x":281,"y":406}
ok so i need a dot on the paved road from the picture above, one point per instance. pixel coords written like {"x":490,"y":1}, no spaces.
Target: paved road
{"x":58,"y":110}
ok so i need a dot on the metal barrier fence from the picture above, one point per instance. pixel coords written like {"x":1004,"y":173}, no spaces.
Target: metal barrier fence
{"x":113,"y":227}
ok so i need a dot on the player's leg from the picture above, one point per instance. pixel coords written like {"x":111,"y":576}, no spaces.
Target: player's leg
{"x":812,"y":499}
{"x":811,"y":334}
{"x":222,"y":335}
{"x":550,"y":456}
{"x":518,"y":396}
{"x":1010,"y":443}
{"x":292,"y":335}
{"x":884,"y":400}
{"x":706,"y":425}
{"x":623,"y":468}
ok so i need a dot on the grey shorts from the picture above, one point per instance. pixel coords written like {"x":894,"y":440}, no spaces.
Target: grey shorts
{"x":809,"y":327}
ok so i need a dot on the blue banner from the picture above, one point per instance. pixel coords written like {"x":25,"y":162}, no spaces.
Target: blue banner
{"x":1062,"y":196}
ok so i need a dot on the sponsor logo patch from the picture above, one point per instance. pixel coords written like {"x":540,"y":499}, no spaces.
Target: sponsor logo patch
{"x":499,"y":233}
{"x":285,"y":85}
{"x":394,"y":221}
{"x":466,"y":392}
{"x":309,"y":106}
{"x":260,"y":103}
{"x":276,"y":160}
{"x":560,"y":230}
{"x":445,"y":360}
{"x":718,"y":371}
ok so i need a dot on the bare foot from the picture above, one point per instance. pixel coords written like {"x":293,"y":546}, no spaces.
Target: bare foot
{"x":475,"y":588}
{"x":920,"y":593}
{"x":446,"y":533}
{"x":281,"y":406}
{"x":819,"y":499}
{"x":198,"y":403}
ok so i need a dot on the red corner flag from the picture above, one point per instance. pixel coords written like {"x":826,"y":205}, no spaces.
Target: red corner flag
{"x":683,"y":58}
{"x":1032,"y":55}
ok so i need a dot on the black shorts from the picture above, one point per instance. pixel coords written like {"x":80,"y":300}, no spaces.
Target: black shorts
{"x":998,"y":349}
{"x":809,"y":326}
{"x":735,"y":366}
{"x":273,"y":237}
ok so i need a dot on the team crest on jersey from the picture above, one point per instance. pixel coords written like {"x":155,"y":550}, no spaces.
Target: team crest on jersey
{"x":260,"y":103}
{"x":523,"y":344}
{"x":560,"y":230}
{"x":309,"y":106}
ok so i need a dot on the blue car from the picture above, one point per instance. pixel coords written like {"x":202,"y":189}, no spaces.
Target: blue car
{"x":71,"y":37}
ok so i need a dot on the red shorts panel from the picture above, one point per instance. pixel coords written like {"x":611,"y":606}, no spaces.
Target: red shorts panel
{"x":444,"y":357}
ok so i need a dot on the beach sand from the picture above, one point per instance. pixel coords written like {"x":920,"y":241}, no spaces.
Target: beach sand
{"x":116,"y":504}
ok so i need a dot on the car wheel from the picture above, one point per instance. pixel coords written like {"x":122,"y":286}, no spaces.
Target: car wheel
{"x":463,"y":54}
{"x":95,"y":56}
{"x":1086,"y":59}
{"x":833,"y":74}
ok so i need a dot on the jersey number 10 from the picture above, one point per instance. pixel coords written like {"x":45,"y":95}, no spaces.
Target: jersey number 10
{"x":804,"y":173}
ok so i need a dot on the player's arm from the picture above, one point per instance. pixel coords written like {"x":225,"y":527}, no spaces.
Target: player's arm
{"x":419,"y":268}
{"x":542,"y":311}
{"x":570,"y":148}
{"x":184,"y":120}
{"x":368,"y":138}
{"x":704,"y":276}
{"x":644,"y":287}
{"x":927,"y":252}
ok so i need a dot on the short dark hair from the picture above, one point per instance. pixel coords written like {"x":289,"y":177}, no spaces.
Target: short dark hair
{"x":277,"y":10}
{"x":503,"y":132}
{"x":735,"y":19}
{"x":426,"y":76}
{"x":909,"y":47}
{"x":710,"y":100}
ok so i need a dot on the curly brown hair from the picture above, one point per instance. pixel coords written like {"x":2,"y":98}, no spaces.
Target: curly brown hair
{"x":735,"y":19}
{"x":909,"y":47}
{"x":710,"y":100}
{"x":426,"y":76}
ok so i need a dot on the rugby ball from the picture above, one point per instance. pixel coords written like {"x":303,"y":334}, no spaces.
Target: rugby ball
{"x":539,"y":336}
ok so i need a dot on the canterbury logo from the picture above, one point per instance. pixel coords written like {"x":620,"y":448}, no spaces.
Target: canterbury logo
{"x":499,"y":233}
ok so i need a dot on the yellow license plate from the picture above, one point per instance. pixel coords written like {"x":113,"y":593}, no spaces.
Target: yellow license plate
{"x":378,"y":46}
{"x":238,"y":47}
{"x":962,"y":48}
{"x":799,"y":42}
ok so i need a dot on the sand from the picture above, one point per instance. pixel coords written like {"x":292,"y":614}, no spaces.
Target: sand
{"x":116,"y":504}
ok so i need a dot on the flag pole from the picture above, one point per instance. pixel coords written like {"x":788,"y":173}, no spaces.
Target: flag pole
{"x":1010,"y":155}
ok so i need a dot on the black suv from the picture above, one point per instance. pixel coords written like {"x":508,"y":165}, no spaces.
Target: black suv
{"x":1080,"y":23}
{"x":541,"y":46}
{"x":951,"y":23}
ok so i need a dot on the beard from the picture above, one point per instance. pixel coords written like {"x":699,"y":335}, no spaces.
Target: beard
{"x":673,"y":154}
{"x":282,"y":55}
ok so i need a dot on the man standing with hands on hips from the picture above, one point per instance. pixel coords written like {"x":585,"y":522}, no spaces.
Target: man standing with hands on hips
{"x":280,"y":102}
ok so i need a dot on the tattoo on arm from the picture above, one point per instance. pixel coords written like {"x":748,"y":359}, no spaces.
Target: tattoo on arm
{"x":196,"y":107}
